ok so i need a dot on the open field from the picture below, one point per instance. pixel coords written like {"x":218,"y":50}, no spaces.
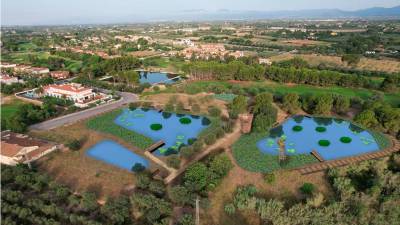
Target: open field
{"x":384,"y":65}
{"x":23,"y":58}
{"x":75,"y":169}
{"x":10,"y":106}
{"x":301,"y":42}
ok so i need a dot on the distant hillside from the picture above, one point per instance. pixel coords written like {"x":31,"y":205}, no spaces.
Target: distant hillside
{"x":295,"y":14}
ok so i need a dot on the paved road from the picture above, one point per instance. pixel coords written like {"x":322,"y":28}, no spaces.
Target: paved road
{"x":74,"y":117}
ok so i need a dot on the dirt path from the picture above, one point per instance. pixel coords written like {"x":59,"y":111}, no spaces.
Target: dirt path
{"x":224,"y":142}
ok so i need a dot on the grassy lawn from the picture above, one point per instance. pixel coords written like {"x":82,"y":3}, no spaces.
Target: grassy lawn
{"x":105,"y":124}
{"x":9,"y":109}
{"x":249,"y":157}
{"x":29,"y":46}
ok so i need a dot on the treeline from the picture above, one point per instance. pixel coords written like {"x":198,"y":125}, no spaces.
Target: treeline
{"x":29,"y":82}
{"x":236,"y":70}
{"x":290,"y":72}
{"x":317,"y":77}
{"x":28,"y":114}
{"x":366,"y":193}
{"x":298,"y":62}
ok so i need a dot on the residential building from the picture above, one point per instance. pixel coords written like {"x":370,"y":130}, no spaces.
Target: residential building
{"x":20,"y":148}
{"x":80,"y":95}
{"x":7,"y":65}
{"x":7,"y":79}
{"x":264,"y":61}
{"x":60,"y":75}
{"x":38,"y":70}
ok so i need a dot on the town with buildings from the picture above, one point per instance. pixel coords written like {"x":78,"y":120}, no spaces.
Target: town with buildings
{"x":200,"y":118}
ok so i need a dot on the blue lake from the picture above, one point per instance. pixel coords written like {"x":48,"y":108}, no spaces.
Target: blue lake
{"x":173,"y":132}
{"x":156,"y":77}
{"x":306,"y":140}
{"x":116,"y":154}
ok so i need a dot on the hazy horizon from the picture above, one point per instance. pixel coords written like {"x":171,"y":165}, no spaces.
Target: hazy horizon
{"x":50,"y":12}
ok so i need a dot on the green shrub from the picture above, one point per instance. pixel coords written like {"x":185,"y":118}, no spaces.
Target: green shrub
{"x":214,"y":111}
{"x":297,"y":128}
{"x":147,"y":105}
{"x":174,"y":161}
{"x":269,"y":178}
{"x":320,"y":129}
{"x":138,"y":167}
{"x":156,"y":126}
{"x":74,"y":144}
{"x":345,"y":140}
{"x":134,"y":105}
{"x":307,"y":188}
{"x":187,"y":152}
{"x":185,"y":120}
{"x":210,"y":139}
{"x":324,"y":143}
{"x":230,"y":209}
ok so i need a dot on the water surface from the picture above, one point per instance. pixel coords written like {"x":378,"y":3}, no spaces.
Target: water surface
{"x":306,"y":140}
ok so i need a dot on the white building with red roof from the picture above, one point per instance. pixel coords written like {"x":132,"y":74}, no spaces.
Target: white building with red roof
{"x":80,"y":95}
{"x":6,"y":79}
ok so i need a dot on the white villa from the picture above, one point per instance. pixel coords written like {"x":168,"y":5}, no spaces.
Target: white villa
{"x":80,"y":95}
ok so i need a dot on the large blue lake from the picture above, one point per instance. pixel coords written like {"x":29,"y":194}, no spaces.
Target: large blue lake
{"x":116,"y":154}
{"x":306,"y":140}
{"x":173,"y":132}
{"x":156,"y":77}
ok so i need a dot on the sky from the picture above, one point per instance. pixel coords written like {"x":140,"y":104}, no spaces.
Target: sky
{"x":50,"y":12}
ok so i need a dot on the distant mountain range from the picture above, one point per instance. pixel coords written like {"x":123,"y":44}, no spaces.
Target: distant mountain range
{"x":224,"y":14}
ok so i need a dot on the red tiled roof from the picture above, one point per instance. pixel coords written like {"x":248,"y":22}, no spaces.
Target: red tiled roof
{"x":67,"y":87}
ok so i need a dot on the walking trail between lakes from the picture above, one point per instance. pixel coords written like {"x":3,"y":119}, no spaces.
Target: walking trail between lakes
{"x":224,"y":142}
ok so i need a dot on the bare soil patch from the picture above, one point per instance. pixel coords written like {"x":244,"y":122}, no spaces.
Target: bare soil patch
{"x":80,"y":172}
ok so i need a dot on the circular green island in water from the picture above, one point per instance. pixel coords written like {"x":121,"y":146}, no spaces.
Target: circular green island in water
{"x":156,"y":126}
{"x":345,"y":140}
{"x":297,"y":128}
{"x":320,"y":129}
{"x":324,"y":143}
{"x":185,"y":120}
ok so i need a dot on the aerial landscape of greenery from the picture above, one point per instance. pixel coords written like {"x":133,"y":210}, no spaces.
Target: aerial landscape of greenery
{"x":280,"y":120}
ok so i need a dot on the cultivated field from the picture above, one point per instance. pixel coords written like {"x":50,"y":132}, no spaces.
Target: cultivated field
{"x":384,"y":65}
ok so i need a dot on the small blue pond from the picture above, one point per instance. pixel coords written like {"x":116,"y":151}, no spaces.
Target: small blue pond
{"x":115,"y":154}
{"x":155,"y":77}
{"x":306,"y":140}
{"x":173,"y":132}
